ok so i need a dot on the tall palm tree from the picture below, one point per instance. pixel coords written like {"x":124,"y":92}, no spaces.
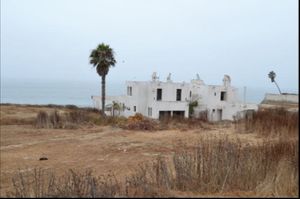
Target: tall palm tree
{"x":102,"y":58}
{"x":272,"y":76}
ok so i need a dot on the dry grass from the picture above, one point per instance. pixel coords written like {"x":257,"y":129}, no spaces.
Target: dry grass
{"x":44,"y":120}
{"x":69,"y":120}
{"x":140,"y":122}
{"x":75,"y":117}
{"x":227,"y":166}
{"x":184,"y":123}
{"x":212,"y":167}
{"x":47,"y":116}
{"x":270,"y":122}
{"x":71,"y":117}
{"x":16,"y":121}
{"x":42,"y":183}
{"x":270,"y":169}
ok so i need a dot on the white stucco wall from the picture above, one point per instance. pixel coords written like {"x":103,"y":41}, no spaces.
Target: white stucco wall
{"x":209,"y":98}
{"x":144,"y":96}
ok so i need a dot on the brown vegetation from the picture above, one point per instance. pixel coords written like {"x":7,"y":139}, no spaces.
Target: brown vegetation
{"x":270,"y":122}
{"x":211,"y":167}
{"x":201,"y":166}
{"x":139,"y":122}
{"x":78,"y":116}
{"x":69,"y":120}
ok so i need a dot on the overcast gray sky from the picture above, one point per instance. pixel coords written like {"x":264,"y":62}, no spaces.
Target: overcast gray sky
{"x":52,"y":39}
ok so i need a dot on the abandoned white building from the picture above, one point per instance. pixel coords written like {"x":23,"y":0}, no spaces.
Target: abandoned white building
{"x":156,"y":99}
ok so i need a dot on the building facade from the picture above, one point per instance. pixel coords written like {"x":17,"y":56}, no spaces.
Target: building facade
{"x":157,"y":99}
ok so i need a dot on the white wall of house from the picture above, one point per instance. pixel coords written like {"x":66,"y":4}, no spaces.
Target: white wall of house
{"x":142,"y":97}
{"x":220,"y":101}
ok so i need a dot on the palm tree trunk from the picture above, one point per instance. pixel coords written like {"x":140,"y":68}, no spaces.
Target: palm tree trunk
{"x":103,"y":94}
{"x":277,"y":87}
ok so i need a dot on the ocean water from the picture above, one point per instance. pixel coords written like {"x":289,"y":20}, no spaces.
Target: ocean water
{"x":79,"y":93}
{"x":55,"y":92}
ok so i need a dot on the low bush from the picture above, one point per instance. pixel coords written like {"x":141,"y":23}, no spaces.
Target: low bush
{"x":71,"y":106}
{"x":139,"y":122}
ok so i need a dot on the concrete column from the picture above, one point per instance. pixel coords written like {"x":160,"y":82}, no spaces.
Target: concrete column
{"x":186,"y":114}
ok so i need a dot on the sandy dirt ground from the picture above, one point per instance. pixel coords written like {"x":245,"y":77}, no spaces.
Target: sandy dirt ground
{"x":100,"y":148}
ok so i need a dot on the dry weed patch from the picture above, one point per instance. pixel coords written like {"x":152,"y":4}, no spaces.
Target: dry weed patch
{"x":211,"y":167}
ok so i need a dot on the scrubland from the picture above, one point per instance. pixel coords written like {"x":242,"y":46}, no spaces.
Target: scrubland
{"x":92,"y":156}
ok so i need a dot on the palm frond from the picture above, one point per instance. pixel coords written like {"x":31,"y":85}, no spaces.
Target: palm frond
{"x":102,"y":58}
{"x":272,"y":75}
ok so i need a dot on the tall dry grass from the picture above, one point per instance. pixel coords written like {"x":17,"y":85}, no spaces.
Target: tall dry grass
{"x":45,"y":120}
{"x":71,"y":119}
{"x":270,"y":122}
{"x":45,"y":183}
{"x":216,"y":167}
{"x":212,"y":167}
{"x":76,"y":117}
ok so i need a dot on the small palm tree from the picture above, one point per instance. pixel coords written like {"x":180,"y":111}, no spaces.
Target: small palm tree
{"x":102,"y":58}
{"x":272,"y":76}
{"x":115,"y":106}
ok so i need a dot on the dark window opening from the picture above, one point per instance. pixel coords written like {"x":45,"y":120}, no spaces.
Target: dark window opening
{"x":213,"y":110}
{"x":159,"y":94}
{"x":178,"y":94}
{"x":129,"y":90}
{"x":215,"y":93}
{"x":134,"y":108}
{"x":190,"y":93}
{"x":223,"y":96}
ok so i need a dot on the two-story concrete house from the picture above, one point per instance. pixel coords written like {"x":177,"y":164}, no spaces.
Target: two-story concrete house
{"x":156,"y":99}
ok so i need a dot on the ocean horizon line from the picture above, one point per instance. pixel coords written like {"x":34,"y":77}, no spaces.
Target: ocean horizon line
{"x":80,"y":93}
